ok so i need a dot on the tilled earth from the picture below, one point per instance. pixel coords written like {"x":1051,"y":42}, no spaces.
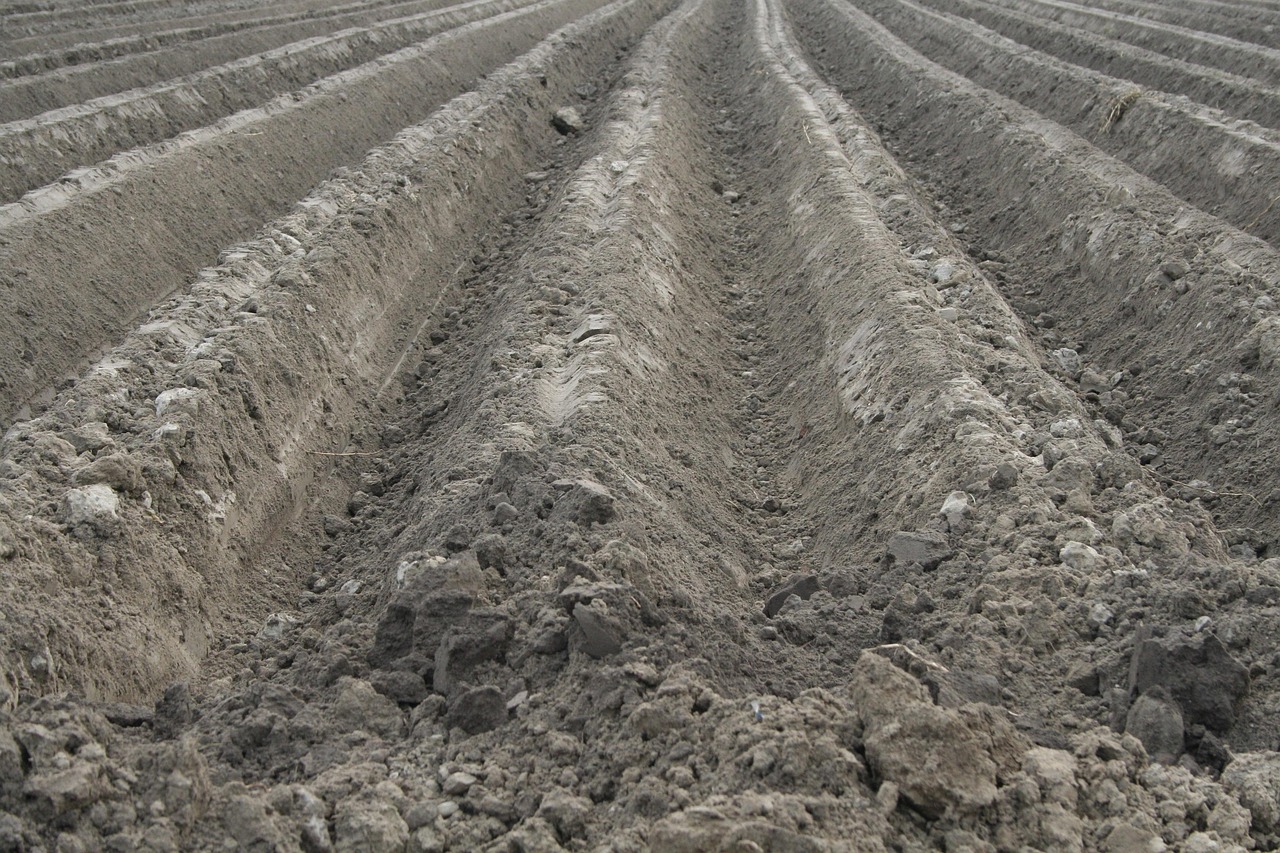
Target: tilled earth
{"x":680,"y":425}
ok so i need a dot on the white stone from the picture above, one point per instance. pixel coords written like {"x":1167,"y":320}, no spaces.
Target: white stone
{"x":1066,"y":428}
{"x":956,"y":507}
{"x":177,"y":400}
{"x":1080,"y":556}
{"x":1067,"y":359}
{"x":92,"y":507}
{"x":1100,"y":614}
{"x":277,"y":624}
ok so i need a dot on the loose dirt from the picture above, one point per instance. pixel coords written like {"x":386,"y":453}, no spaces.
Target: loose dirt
{"x":679,"y":425}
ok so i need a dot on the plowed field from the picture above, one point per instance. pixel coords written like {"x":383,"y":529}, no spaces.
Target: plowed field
{"x":676,"y":425}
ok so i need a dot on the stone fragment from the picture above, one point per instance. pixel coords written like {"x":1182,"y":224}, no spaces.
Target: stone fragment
{"x":1197,"y":670}
{"x":567,"y":120}
{"x":483,"y":636}
{"x":361,"y":708}
{"x":590,"y":502}
{"x":926,"y":547}
{"x":935,"y":759}
{"x":956,"y":509}
{"x":1085,"y":678}
{"x":566,"y":812}
{"x":245,"y":819}
{"x":1092,"y":380}
{"x":365,"y":825}
{"x":955,"y":688}
{"x":88,"y":438}
{"x":491,"y":551}
{"x":401,"y":686}
{"x":457,"y":784}
{"x":174,"y":711}
{"x":478,"y":710}
{"x":178,"y":400}
{"x":1068,"y":360}
{"x":505,"y":513}
{"x":802,"y":585}
{"x":1254,"y":777}
{"x":602,"y":634}
{"x":1174,"y":268}
{"x":117,"y":470}
{"x":1148,"y":525}
{"x":277,"y":625}
{"x":92,"y":510}
{"x":1079,"y":556}
{"x":1005,"y":476}
{"x":1099,"y":615}
{"x":8,"y":544}
{"x":1127,"y":838}
{"x":11,"y":765}
{"x":1155,"y":720}
{"x":58,"y":791}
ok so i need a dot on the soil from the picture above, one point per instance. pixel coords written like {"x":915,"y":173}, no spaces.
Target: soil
{"x":680,"y":425}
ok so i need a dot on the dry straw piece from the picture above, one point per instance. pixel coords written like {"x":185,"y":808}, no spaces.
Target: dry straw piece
{"x":1120,"y":104}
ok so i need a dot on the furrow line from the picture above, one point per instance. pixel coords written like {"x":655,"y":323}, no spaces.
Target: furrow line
{"x":39,"y":55}
{"x":1247,"y":60}
{"x":930,"y":382}
{"x":1203,"y":156}
{"x":146,"y":220}
{"x":1075,"y":236}
{"x":26,"y":97}
{"x":85,"y":17}
{"x":34,"y":152}
{"x":1238,"y":22}
{"x":1239,"y":96}
{"x":216,"y":407}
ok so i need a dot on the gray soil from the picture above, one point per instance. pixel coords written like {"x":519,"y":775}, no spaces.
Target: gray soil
{"x":678,"y":425}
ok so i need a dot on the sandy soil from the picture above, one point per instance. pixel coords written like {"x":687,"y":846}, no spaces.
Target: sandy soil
{"x":679,"y":425}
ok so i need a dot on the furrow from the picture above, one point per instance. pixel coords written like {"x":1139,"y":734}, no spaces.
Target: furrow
{"x":921,"y":373}
{"x":220,"y":402}
{"x":134,"y":12}
{"x":69,"y":86}
{"x":37,"y":55}
{"x":1239,"y":96}
{"x":1236,"y":57}
{"x":1108,"y":265}
{"x":1207,"y":158}
{"x":147,"y":219}
{"x":36,"y":151}
{"x":1234,"y":21}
